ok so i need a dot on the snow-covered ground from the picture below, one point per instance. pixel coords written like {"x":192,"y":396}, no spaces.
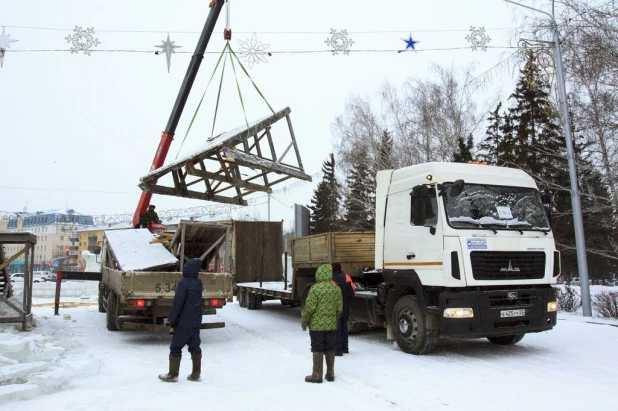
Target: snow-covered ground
{"x":259,"y":360}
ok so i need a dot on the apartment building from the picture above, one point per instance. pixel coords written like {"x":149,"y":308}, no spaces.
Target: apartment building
{"x":57,"y":238}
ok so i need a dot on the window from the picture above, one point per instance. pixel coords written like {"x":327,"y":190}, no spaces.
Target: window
{"x":428,"y":202}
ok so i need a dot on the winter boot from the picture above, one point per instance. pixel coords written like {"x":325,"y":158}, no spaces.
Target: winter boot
{"x":346,"y":350}
{"x":197,"y":368}
{"x":330,"y":366}
{"x":318,"y":368}
{"x":172,"y":375}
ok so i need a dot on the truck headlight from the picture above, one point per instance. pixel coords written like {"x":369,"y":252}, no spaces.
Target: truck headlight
{"x":552,"y":306}
{"x":458,"y":313}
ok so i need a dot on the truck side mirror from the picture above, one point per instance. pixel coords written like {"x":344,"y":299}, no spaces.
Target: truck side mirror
{"x":456,"y":188}
{"x":96,"y":250}
{"x":546,"y":199}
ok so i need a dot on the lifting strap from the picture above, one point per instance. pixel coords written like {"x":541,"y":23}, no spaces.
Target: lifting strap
{"x":225,"y":53}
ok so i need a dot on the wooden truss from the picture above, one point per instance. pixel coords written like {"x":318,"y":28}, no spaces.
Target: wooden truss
{"x":232,"y":165}
{"x":23,"y":315}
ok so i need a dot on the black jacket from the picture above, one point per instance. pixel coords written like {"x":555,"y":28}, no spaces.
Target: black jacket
{"x":347,"y":291}
{"x":186,"y":309}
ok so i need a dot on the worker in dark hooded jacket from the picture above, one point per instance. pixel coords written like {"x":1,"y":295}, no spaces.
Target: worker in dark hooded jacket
{"x":348,"y":290}
{"x":185,"y":317}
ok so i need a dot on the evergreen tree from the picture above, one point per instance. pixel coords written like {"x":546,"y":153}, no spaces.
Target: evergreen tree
{"x":326,"y":201}
{"x":359,"y":209}
{"x":464,"y":150}
{"x":385,"y":160}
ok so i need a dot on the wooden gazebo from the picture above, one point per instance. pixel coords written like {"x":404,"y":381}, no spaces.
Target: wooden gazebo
{"x":24,"y":314}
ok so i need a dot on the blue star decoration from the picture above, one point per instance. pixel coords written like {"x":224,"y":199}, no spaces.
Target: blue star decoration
{"x":410,"y":43}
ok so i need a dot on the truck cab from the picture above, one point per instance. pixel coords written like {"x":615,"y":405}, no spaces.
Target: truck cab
{"x":463,"y":250}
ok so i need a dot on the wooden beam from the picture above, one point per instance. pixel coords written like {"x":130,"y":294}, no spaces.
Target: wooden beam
{"x":231,"y":180}
{"x":212,"y":247}
{"x":157,"y":189}
{"x":249,"y":160}
{"x":13,"y":258}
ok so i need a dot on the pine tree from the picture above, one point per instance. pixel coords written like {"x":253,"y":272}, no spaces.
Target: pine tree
{"x":384,"y":159}
{"x":326,"y":201}
{"x":359,"y":209}
{"x":464,"y":150}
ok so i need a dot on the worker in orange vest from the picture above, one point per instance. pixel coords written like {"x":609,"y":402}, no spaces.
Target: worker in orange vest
{"x":348,"y":290}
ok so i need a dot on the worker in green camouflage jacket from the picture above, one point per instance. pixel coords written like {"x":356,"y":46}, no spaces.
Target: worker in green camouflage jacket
{"x":320,"y":313}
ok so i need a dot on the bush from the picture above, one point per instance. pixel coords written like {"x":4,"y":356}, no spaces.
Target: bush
{"x":568,"y":299}
{"x":606,"y":304}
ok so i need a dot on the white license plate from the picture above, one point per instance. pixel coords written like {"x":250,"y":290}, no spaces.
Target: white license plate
{"x":512,"y":313}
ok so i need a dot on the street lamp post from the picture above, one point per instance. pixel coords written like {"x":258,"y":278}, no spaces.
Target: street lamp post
{"x":580,"y":242}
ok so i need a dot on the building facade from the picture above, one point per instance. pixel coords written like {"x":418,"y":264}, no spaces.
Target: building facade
{"x":57,"y":239}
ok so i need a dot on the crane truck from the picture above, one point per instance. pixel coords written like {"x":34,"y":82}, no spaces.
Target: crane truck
{"x":459,"y":250}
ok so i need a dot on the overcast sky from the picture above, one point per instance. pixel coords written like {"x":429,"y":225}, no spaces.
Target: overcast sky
{"x":79,"y":131}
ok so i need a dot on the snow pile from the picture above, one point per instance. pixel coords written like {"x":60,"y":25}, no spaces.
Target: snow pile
{"x":40,"y":361}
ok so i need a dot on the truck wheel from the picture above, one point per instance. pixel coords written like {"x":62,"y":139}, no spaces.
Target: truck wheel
{"x":112,"y":311}
{"x":242,"y":299}
{"x":255,"y":301}
{"x":101,"y":302}
{"x":408,"y":324}
{"x":506,"y":339}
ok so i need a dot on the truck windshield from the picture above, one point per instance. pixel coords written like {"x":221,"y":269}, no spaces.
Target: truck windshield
{"x":496,"y":207}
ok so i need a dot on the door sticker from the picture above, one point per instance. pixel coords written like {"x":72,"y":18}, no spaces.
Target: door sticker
{"x":476,"y":243}
{"x":504,"y":212}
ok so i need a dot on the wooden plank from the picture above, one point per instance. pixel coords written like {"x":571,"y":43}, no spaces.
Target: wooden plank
{"x":13,"y":258}
{"x":231,"y":180}
{"x":157,"y":189}
{"x":212,"y":247}
{"x":252,"y":161}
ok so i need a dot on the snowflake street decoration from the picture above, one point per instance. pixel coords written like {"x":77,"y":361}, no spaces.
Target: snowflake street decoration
{"x":168,"y":48}
{"x":5,"y":43}
{"x":339,"y":41}
{"x":82,"y":40}
{"x":478,"y":39}
{"x":253,"y":51}
{"x":411,"y":43}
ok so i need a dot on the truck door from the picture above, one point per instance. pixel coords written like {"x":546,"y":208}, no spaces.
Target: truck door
{"x":414,"y":245}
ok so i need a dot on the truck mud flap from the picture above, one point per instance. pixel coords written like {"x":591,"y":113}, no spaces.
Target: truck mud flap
{"x":208,"y":326}
{"x":141,"y":326}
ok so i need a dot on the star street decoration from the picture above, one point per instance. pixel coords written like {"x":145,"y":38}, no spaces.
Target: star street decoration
{"x":168,"y":48}
{"x":253,"y":51}
{"x":339,"y":41}
{"x":82,"y":40}
{"x":5,"y":43}
{"x":410,"y":43}
{"x":478,"y":39}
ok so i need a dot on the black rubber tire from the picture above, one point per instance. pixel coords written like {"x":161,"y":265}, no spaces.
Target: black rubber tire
{"x":252,"y":301}
{"x":101,"y":302}
{"x":408,"y":324}
{"x":506,"y":339}
{"x":258,"y":301}
{"x":242,"y":298}
{"x":112,"y":311}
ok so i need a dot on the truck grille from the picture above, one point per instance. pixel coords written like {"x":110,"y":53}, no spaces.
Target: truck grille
{"x":503,"y":265}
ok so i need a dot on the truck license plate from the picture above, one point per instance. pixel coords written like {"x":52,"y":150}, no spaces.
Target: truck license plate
{"x":512,"y":313}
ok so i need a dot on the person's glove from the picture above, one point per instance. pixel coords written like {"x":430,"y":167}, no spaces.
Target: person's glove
{"x":304,"y":325}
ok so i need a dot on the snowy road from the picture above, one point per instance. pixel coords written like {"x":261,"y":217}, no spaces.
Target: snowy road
{"x":260,"y":358}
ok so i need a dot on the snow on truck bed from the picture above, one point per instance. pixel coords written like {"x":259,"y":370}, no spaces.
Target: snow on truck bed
{"x":133,"y":250}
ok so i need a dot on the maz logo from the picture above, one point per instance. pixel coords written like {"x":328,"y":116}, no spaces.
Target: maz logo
{"x":510,"y":268}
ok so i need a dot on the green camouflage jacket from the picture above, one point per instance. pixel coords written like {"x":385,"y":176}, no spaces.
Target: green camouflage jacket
{"x":324,"y":303}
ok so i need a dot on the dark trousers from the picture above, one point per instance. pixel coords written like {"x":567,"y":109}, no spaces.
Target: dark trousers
{"x":341,"y":338}
{"x":185,"y":336}
{"x":322,"y":341}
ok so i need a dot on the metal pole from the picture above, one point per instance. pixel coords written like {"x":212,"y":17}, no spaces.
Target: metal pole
{"x":580,"y":241}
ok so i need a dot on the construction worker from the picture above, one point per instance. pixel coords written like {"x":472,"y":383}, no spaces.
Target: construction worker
{"x":320,"y":313}
{"x":185,"y":317}
{"x":348,"y":290}
{"x":151,"y":215}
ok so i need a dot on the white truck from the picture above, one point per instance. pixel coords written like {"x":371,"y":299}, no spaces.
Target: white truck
{"x":461,"y":250}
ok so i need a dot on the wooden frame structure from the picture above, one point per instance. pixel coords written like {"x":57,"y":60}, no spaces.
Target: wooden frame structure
{"x":232,"y":165}
{"x":195,"y":238}
{"x":29,"y":241}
